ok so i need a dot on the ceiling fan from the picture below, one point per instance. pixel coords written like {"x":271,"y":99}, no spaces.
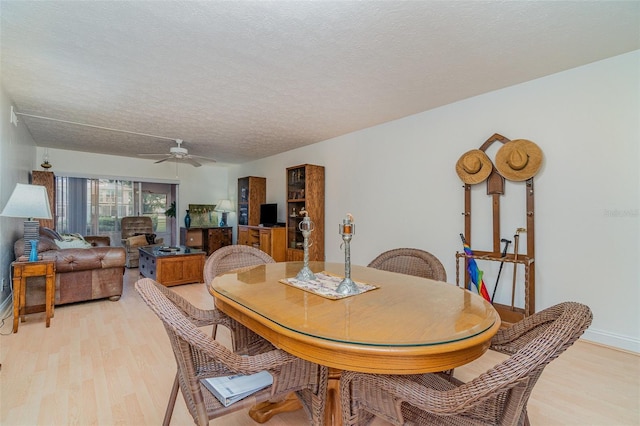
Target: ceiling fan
{"x":179,"y":154}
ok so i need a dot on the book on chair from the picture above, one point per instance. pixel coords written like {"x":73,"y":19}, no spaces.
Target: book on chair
{"x":230,"y":389}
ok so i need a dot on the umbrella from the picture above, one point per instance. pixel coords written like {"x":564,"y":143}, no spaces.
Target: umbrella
{"x":475,"y":274}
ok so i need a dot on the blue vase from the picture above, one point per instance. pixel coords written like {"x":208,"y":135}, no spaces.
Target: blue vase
{"x":187,"y":220}
{"x":33,"y":255}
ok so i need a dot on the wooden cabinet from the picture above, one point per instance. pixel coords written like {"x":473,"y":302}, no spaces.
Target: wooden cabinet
{"x":305,"y":191}
{"x":244,"y":235}
{"x":206,"y":239}
{"x":252,"y":192}
{"x":47,"y":179}
{"x":217,"y":238}
{"x":191,"y":237}
{"x":270,"y":240}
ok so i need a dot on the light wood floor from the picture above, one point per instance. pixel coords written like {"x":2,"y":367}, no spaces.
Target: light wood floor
{"x":108,"y":363}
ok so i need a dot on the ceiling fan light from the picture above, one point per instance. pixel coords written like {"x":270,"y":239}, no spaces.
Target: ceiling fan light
{"x":178,"y":151}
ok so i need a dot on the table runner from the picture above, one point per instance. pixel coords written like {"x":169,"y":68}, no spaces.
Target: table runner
{"x":325,"y":285}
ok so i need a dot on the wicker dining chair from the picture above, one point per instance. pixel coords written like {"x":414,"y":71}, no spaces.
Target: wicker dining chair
{"x":230,"y":258}
{"x":410,"y":261}
{"x":199,"y":356}
{"x":497,"y":397}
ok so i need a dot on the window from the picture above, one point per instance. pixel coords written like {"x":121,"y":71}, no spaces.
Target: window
{"x":96,"y":206}
{"x":155,"y":205}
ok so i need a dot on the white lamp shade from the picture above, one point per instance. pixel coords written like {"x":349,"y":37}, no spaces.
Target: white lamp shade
{"x":224,"y":206}
{"x":28,"y":201}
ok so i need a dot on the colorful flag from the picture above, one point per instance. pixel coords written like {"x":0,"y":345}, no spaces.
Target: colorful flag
{"x":475,"y":274}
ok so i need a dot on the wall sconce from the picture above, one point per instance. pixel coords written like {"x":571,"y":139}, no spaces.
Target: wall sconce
{"x":45,"y":160}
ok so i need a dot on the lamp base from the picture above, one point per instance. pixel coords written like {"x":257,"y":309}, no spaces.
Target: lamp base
{"x":31,"y":232}
{"x":223,"y":219}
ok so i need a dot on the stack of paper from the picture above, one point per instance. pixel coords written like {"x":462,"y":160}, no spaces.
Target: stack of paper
{"x":230,"y":389}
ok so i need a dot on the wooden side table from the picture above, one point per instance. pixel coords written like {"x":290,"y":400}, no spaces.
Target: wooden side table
{"x":24,"y":270}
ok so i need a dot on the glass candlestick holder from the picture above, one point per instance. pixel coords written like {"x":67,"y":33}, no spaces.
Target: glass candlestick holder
{"x":346,"y":229}
{"x":306,"y":226}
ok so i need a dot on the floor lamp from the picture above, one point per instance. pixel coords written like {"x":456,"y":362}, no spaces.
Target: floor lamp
{"x":31,"y":202}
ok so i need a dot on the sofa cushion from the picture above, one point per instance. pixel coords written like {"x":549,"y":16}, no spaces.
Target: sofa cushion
{"x":45,"y":244}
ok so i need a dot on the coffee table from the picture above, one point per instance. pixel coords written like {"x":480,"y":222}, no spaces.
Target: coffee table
{"x":172,"y":265}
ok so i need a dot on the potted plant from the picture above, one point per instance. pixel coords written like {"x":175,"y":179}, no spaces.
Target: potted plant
{"x":171,"y":211}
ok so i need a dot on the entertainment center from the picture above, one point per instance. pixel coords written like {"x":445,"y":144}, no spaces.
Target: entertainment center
{"x":252,"y":211}
{"x":258,"y":224}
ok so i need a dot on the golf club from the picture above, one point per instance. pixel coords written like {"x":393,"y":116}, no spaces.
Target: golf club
{"x":504,"y":254}
{"x":516,"y":238}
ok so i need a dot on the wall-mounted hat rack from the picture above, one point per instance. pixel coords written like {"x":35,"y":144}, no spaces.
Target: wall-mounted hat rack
{"x":495,"y":188}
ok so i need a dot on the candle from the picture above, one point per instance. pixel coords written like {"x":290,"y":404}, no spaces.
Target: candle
{"x":346,"y":224}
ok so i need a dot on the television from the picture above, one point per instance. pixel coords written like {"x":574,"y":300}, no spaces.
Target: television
{"x":269,"y":214}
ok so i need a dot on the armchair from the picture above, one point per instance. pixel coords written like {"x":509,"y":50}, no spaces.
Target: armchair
{"x":137,"y":231}
{"x":226,"y":259}
{"x":496,"y":397}
{"x":410,"y":261}
{"x":198,"y":356}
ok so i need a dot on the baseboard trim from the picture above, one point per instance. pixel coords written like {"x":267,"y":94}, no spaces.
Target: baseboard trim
{"x":613,"y":340}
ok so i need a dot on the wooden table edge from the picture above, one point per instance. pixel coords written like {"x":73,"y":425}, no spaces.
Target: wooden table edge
{"x":345,"y":356}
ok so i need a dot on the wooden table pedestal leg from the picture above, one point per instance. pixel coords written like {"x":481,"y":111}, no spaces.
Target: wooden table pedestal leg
{"x":333,"y":410}
{"x":262,"y":412}
{"x":265,"y":410}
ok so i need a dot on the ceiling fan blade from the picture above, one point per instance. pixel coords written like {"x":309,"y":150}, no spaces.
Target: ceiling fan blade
{"x":200,"y":158}
{"x":152,"y":156}
{"x":177,"y":155}
{"x":191,"y":161}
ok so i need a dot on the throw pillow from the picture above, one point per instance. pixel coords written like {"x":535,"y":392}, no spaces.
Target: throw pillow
{"x":151,"y":238}
{"x":72,"y":241}
{"x":137,"y":241}
{"x":50,"y":233}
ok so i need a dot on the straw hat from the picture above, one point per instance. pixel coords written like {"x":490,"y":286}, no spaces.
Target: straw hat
{"x":519,"y":159}
{"x":474,"y":166}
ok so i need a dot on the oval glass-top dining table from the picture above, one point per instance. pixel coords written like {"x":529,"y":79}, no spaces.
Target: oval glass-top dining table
{"x":405,"y":325}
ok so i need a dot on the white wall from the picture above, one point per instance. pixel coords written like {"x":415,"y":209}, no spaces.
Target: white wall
{"x":398,"y":180}
{"x":17,"y":153}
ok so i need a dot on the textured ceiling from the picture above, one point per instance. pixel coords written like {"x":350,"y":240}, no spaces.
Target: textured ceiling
{"x":242,"y":80}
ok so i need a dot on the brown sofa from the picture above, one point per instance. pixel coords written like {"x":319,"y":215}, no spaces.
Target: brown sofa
{"x":82,"y":274}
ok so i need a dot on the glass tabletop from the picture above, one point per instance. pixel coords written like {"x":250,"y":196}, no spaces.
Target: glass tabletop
{"x":403,"y":311}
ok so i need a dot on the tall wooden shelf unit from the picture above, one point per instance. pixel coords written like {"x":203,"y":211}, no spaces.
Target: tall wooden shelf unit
{"x":495,"y":188}
{"x":305,"y":191}
{"x":48,"y":180}
{"x":252,"y":192}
